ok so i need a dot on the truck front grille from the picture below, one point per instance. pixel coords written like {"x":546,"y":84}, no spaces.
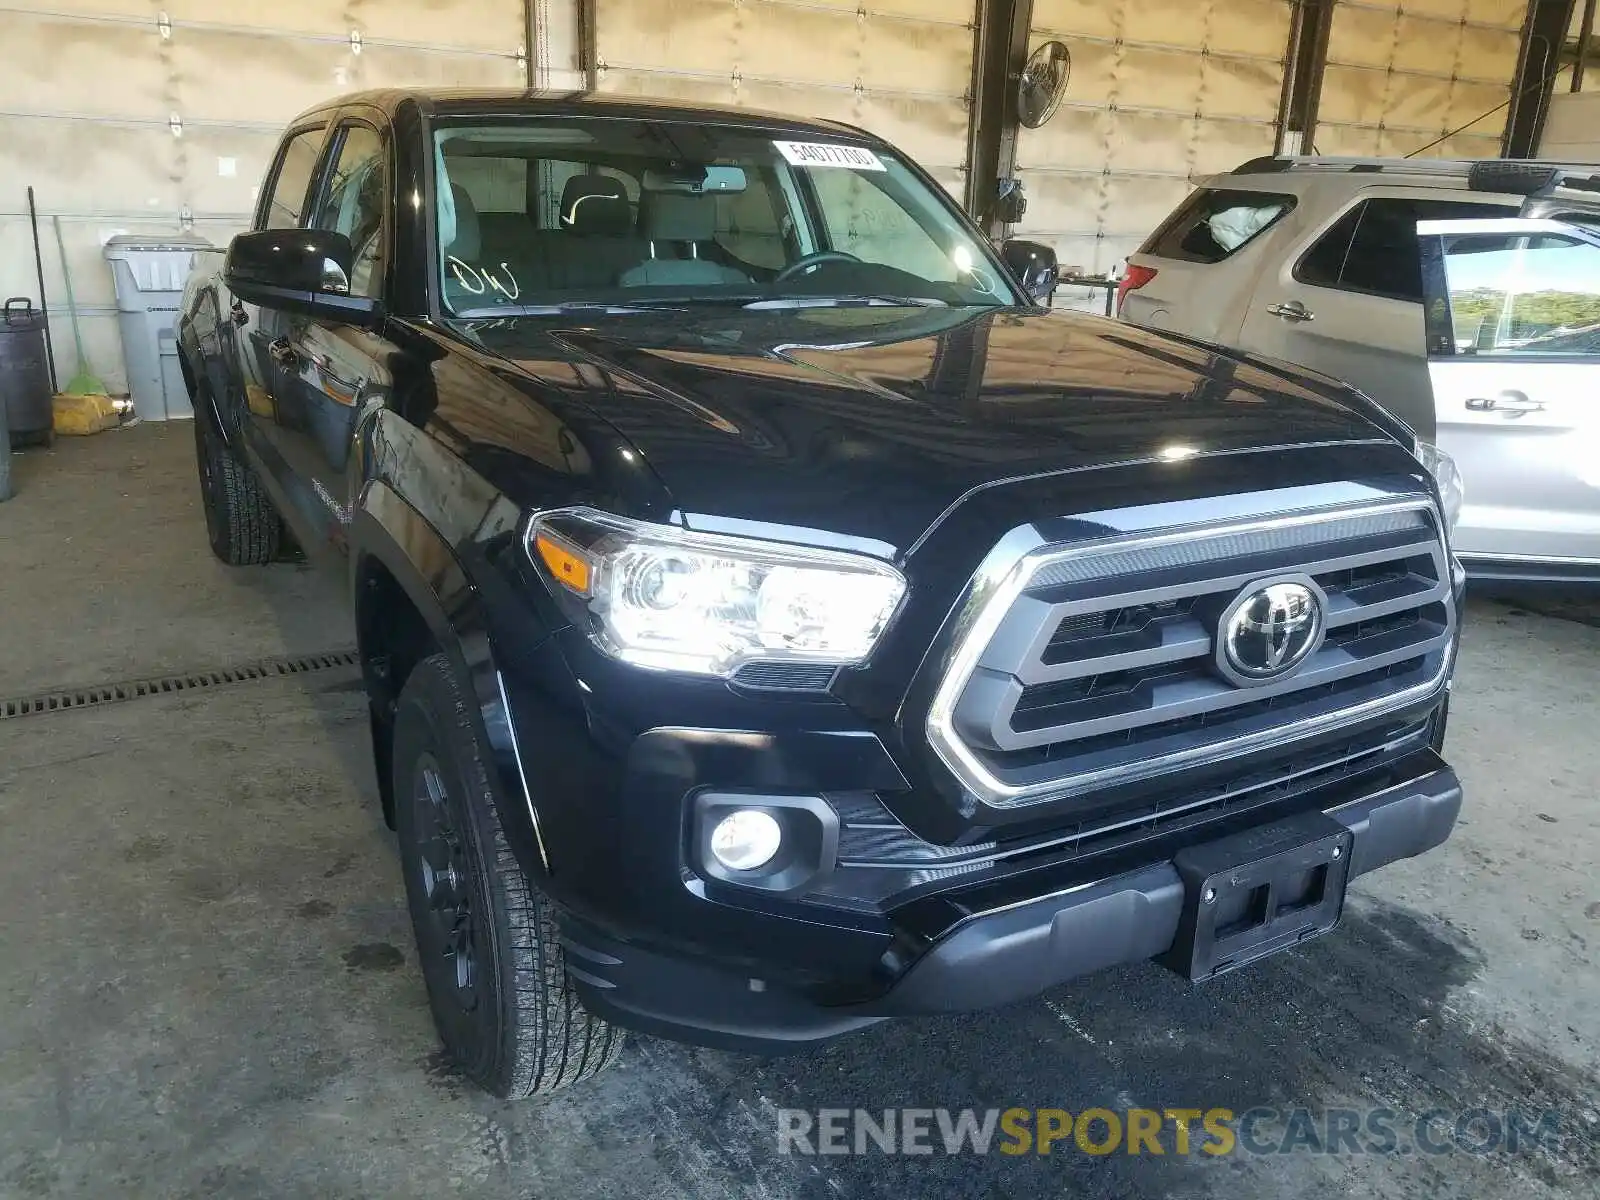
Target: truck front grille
{"x":1095,"y":663}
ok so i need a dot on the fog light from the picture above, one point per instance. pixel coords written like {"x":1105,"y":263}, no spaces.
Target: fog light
{"x":745,"y":840}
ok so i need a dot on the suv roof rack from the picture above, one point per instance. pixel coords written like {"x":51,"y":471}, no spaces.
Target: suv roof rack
{"x":1518,"y":176}
{"x":1269,"y":164}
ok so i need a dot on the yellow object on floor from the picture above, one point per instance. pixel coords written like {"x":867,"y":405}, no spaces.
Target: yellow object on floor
{"x":78,"y":415}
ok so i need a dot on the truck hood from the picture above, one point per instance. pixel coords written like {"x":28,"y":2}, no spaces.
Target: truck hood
{"x":866,"y":424}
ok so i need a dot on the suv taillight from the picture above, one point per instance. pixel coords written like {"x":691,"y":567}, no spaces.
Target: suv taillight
{"x":1134,"y":279}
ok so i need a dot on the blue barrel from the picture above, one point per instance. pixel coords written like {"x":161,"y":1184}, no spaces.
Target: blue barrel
{"x":24,"y":372}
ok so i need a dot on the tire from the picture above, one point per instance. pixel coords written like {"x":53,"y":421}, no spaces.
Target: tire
{"x":493,"y":963}
{"x":242,"y":525}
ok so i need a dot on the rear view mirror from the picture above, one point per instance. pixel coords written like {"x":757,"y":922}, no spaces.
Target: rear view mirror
{"x":1034,"y":265}
{"x":696,"y":180}
{"x":298,"y":270}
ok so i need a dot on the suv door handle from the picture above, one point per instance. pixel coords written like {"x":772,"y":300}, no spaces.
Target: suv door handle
{"x":1292,"y":310}
{"x":282,"y":353}
{"x":1513,"y":404}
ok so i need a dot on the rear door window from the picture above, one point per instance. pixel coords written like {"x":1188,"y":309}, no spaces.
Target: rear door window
{"x":1215,"y":223}
{"x":1372,"y":248}
{"x":496,"y":186}
{"x":291,"y":180}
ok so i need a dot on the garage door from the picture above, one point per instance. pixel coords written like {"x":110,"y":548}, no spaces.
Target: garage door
{"x":126,"y":120}
{"x":1399,"y":79}
{"x":900,"y":68}
{"x":1162,"y":91}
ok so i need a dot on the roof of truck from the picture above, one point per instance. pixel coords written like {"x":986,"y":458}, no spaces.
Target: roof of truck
{"x":514,"y":101}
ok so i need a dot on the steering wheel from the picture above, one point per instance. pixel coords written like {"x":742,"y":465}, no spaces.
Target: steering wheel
{"x":815,"y":259}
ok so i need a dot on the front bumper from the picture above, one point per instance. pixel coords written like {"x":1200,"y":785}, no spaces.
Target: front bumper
{"x":989,"y":957}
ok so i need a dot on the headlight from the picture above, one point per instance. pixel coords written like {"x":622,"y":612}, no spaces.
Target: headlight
{"x":662,"y":597}
{"x":1452,"y":492}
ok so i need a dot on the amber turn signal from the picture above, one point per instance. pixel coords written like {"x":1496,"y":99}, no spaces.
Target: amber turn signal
{"x":564,"y":562}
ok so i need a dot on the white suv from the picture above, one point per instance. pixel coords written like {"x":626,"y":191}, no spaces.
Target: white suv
{"x":1315,"y":260}
{"x":1513,"y":343}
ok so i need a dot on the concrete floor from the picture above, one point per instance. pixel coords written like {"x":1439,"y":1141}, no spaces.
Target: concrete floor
{"x":207,"y":986}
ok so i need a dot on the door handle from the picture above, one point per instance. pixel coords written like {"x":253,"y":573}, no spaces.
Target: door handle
{"x":1512,"y":404}
{"x":238,"y":315}
{"x":282,"y":353}
{"x":1292,"y":310}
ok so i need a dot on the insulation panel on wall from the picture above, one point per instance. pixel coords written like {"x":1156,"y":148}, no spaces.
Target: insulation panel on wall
{"x":900,"y":68}
{"x":1161,"y":92}
{"x":139,"y":116}
{"x":1403,"y":79}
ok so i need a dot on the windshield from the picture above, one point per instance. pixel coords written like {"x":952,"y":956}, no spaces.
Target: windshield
{"x":543,"y":213}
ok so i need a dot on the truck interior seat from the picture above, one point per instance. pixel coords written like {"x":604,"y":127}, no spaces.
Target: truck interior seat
{"x":679,"y":227}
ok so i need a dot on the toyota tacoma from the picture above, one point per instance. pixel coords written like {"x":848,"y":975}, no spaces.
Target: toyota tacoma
{"x":774,"y":618}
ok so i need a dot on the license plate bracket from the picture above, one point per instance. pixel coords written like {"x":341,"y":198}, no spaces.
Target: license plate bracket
{"x":1258,"y":892}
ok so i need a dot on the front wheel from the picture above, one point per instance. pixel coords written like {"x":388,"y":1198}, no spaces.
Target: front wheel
{"x":494,"y":967}
{"x":243,"y":527}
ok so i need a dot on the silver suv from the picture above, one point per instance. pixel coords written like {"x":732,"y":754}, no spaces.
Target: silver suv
{"x":1315,"y":260}
{"x":1512,"y":316}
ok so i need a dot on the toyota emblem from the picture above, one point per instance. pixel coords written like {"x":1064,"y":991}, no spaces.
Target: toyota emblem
{"x":1270,"y":629}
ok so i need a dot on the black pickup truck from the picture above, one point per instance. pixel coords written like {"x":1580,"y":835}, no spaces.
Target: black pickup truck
{"x":773,"y":618}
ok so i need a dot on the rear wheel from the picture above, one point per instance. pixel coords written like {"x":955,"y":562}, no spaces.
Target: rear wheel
{"x":494,"y":967}
{"x":243,"y":527}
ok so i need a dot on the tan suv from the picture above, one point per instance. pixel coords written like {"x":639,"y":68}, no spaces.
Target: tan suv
{"x":1315,"y":260}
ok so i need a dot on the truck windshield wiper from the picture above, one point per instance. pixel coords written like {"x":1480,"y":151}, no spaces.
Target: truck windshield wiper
{"x":613,"y":307}
{"x":757,"y":302}
{"x":762,"y":301}
{"x":768,"y":302}
{"x":550,"y":310}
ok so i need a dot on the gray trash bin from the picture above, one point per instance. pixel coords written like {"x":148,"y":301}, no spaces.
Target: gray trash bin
{"x":5,"y":455}
{"x":149,"y":274}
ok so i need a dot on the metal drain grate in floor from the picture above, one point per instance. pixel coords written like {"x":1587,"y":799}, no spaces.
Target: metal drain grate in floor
{"x":113,"y":693}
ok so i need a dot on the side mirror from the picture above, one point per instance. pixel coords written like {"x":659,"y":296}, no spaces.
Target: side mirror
{"x":300,"y":270}
{"x":1034,"y":265}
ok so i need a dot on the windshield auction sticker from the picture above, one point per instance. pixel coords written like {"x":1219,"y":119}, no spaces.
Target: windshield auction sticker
{"x":822,"y":154}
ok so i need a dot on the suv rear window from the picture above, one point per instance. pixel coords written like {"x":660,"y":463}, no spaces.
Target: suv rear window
{"x":1214,"y":223}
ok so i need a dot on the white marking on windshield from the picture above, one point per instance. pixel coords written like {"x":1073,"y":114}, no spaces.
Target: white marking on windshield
{"x":479,"y":280}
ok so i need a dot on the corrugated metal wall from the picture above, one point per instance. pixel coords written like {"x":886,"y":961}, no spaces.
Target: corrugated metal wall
{"x":1402,"y":76}
{"x":1162,"y":91}
{"x":900,"y":68}
{"x":144,"y":116}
